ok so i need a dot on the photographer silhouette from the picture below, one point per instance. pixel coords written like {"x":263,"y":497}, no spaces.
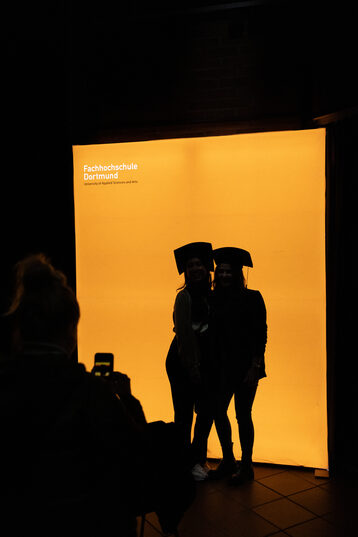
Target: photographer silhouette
{"x":77,"y":448}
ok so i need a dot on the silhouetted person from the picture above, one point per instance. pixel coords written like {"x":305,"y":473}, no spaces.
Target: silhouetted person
{"x":76,"y":450}
{"x":66,"y":434}
{"x":187,"y":357}
{"x":239,"y":334}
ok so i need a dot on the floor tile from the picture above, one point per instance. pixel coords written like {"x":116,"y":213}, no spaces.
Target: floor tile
{"x":216,"y":509}
{"x":308,"y":475}
{"x":317,"y":527}
{"x":152,"y":521}
{"x":215,"y":504}
{"x":262,"y":471}
{"x":280,"y":502}
{"x":250,"y":524}
{"x":283,"y":513}
{"x":345,"y":492}
{"x":317,"y":500}
{"x":344,"y":499}
{"x":346,"y":523}
{"x":251,"y":494}
{"x":149,"y":530}
{"x":208,"y":487}
{"x":195,"y":525}
{"x":285,"y":483}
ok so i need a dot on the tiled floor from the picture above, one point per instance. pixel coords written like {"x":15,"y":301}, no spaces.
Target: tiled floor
{"x":280,"y":501}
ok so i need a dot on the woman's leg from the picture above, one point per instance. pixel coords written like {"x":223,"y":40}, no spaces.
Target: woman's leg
{"x":202,"y":428}
{"x":183,"y":394}
{"x":244,"y":398}
{"x":222,"y":423}
{"x":203,"y":405}
{"x":223,"y":428}
{"x":183,"y":403}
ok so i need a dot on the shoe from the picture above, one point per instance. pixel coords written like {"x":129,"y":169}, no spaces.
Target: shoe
{"x":244,"y":474}
{"x":225,"y":468}
{"x":199,"y":472}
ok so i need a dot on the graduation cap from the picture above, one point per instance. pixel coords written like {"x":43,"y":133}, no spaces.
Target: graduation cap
{"x":202,"y":250}
{"x":233,"y":256}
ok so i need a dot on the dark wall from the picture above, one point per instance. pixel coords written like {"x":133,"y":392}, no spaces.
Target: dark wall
{"x":342,"y":293}
{"x":257,"y":65}
{"x":195,"y":67}
{"x":80,"y":72}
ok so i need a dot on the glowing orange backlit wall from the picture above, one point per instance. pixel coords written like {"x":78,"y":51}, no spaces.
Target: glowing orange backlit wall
{"x":263,"y":192}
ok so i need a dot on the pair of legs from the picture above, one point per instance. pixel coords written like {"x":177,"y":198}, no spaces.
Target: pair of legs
{"x":244,"y":396}
{"x":187,"y":400}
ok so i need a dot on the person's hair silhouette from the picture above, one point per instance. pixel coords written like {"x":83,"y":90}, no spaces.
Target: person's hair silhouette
{"x":44,"y":308}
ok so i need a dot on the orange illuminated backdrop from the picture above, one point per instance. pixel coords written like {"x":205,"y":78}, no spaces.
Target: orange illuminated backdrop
{"x":136,"y":202}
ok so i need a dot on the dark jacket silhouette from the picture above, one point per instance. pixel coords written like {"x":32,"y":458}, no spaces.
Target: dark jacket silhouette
{"x":78,"y":457}
{"x":73,"y":453}
{"x":239,"y":330}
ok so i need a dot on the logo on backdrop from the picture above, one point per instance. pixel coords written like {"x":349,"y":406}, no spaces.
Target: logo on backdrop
{"x":109,"y":174}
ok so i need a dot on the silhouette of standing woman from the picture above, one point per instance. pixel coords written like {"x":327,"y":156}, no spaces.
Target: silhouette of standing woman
{"x":239,"y":329}
{"x":187,"y":354}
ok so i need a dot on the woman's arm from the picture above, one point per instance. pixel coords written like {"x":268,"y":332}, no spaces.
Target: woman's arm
{"x":187,"y":343}
{"x":258,"y":337}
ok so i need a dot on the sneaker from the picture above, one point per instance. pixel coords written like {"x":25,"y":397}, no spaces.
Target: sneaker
{"x":226,"y":468}
{"x":199,"y":472}
{"x":244,"y":474}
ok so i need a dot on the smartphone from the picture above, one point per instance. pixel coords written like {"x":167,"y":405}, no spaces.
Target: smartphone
{"x":103,"y":364}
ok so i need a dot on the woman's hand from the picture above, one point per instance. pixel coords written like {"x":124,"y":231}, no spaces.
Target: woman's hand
{"x":252,"y":376}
